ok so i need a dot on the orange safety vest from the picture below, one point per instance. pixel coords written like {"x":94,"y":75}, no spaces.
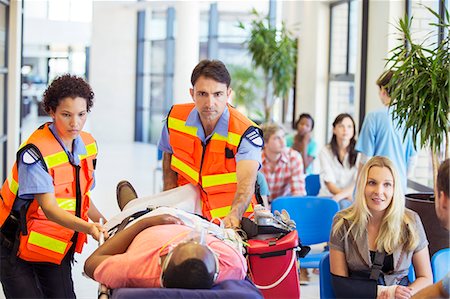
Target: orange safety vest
{"x":211,"y":166}
{"x":43,"y":240}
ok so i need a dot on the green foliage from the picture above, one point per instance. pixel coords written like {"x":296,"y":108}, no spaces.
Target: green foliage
{"x":247,"y":86}
{"x":420,"y":86}
{"x":275,"y":52}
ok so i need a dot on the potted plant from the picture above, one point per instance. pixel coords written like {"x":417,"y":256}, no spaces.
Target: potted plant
{"x":247,"y":86}
{"x":274,"y":51}
{"x":420,"y":102}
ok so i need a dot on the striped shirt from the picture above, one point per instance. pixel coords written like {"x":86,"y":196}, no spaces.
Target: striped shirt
{"x":287,"y":177}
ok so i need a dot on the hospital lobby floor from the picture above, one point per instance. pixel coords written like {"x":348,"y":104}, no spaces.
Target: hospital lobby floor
{"x":134,"y":162}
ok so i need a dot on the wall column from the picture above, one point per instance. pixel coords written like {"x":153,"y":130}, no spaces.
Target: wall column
{"x":187,"y":43}
{"x":13,"y":82}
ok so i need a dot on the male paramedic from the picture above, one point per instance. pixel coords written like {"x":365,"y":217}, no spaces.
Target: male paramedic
{"x":211,"y":145}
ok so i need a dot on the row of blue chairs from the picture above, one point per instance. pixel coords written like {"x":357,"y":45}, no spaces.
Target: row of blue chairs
{"x":439,"y":264}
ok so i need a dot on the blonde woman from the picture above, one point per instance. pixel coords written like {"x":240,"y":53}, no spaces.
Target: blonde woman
{"x":374,"y":241}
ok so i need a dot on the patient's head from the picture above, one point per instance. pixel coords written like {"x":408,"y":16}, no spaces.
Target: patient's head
{"x":190,"y":265}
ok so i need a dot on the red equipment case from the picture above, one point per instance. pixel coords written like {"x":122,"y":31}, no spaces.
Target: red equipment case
{"x":273,"y":266}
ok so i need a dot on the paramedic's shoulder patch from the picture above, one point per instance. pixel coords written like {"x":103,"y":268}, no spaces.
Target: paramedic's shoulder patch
{"x":30,"y":156}
{"x":254,"y":137}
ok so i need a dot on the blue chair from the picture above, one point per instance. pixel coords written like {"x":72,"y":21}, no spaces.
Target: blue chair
{"x":326,"y":289}
{"x":314,"y":217}
{"x":440,"y":264}
{"x":411,"y":274}
{"x":312,"y":184}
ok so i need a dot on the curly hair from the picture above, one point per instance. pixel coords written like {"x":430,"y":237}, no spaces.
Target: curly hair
{"x":67,"y":86}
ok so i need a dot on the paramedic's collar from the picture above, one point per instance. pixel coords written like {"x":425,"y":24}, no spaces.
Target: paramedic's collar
{"x":78,"y":146}
{"x":221,"y":128}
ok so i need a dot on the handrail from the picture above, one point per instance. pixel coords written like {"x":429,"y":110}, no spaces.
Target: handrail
{"x":419,"y":187}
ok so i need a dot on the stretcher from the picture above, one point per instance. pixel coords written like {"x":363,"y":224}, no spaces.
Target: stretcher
{"x":186,"y":198}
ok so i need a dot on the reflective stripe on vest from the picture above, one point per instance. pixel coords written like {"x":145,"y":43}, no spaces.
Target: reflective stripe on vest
{"x":13,"y":185}
{"x":219,"y":179}
{"x":224,"y":211}
{"x":47,"y":242}
{"x":61,"y":157}
{"x":180,"y":125}
{"x":185,"y":168}
{"x":68,"y":204}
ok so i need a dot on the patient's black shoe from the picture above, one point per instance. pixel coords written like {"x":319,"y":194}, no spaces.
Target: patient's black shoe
{"x":125,"y":193}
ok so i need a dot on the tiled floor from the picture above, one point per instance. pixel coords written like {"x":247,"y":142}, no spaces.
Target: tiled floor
{"x":134,"y":162}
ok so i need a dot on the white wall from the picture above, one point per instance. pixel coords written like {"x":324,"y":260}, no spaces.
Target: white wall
{"x":113,"y":71}
{"x":13,"y":83}
{"x":312,"y":72}
{"x":186,"y":48}
{"x":383,"y":15}
{"x":47,"y":32}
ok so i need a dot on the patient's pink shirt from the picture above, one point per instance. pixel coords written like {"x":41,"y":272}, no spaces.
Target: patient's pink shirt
{"x":139,"y":265}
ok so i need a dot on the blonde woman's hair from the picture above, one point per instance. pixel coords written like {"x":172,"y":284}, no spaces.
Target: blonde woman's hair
{"x":397,"y":227}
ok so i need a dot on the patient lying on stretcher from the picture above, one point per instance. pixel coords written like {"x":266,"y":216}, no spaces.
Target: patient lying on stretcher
{"x":168,"y":247}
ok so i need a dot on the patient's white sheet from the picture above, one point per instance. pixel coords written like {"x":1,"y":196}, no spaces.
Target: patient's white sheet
{"x":182,"y":202}
{"x":186,"y":198}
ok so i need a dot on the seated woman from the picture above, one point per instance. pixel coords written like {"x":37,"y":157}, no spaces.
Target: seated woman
{"x":339,"y":162}
{"x":373,"y":242}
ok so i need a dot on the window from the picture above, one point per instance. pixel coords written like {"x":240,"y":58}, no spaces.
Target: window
{"x":155,"y":73}
{"x":423,"y":32}
{"x":4,"y":9}
{"x":342,"y":63}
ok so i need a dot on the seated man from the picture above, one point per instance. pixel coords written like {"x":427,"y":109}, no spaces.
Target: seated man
{"x":161,"y":251}
{"x":281,"y":166}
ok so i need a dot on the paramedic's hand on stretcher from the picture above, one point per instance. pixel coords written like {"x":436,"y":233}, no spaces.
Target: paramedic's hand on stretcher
{"x":232,"y":221}
{"x":97,"y":229}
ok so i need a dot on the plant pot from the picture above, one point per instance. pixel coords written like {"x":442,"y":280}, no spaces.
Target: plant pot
{"x":423,"y":204}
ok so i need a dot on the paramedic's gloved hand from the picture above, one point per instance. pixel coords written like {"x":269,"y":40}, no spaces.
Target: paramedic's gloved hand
{"x":96,"y":229}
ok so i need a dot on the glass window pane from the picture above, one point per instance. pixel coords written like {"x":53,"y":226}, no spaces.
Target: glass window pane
{"x":2,"y":34}
{"x":58,"y":10}
{"x":341,"y":100}
{"x":81,"y":10}
{"x":2,"y":106}
{"x":339,"y":27}
{"x":158,"y":25}
{"x":158,"y":56}
{"x":353,"y":37}
{"x":35,"y":9}
{"x":422,"y":18}
{"x":157,"y":94}
{"x":2,"y":162}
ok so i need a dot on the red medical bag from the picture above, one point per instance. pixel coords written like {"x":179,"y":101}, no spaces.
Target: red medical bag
{"x":273,"y":266}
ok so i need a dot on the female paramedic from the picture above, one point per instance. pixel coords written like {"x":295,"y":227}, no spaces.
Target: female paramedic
{"x":45,"y":202}
{"x":374,"y":241}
